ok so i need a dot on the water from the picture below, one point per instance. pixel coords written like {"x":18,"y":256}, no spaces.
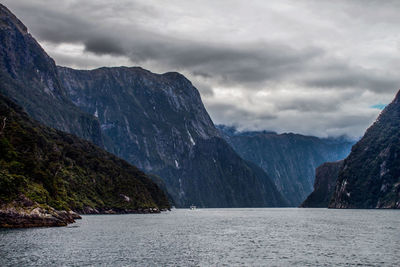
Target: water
{"x":213,"y":237}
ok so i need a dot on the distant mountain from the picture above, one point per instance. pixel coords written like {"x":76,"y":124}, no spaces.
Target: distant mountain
{"x":158,"y":122}
{"x":44,"y":173}
{"x":370,"y":176}
{"x":325,"y":181}
{"x":29,"y":77}
{"x":290,"y":159}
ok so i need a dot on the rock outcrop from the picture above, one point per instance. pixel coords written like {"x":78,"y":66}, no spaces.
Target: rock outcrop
{"x":325,"y":181}
{"x":23,"y":212}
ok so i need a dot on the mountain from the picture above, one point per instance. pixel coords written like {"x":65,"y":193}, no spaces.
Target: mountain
{"x":154,"y":121}
{"x":158,"y":122}
{"x":29,"y":77}
{"x":325,"y":181}
{"x":43,"y":170}
{"x":370,"y":176}
{"x":290,"y":159}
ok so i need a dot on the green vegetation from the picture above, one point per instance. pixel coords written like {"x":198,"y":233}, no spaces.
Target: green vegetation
{"x":65,"y":172}
{"x":370,"y":177}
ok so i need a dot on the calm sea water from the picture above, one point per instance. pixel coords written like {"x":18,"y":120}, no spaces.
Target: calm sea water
{"x":213,"y":237}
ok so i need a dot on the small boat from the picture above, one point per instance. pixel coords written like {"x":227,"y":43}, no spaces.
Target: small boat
{"x":192,"y":207}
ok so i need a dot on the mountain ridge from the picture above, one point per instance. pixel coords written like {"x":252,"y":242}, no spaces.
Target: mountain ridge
{"x":167,"y":131}
{"x":290,"y":159}
{"x":154,"y":121}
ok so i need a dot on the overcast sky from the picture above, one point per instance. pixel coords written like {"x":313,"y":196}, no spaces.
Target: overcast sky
{"x":314,"y":67}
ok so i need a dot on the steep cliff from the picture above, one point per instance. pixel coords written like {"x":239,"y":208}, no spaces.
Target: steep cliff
{"x":289,"y":159}
{"x":370,"y":176}
{"x":158,"y":122}
{"x":325,"y":181}
{"x":45,"y":170}
{"x":29,"y":77}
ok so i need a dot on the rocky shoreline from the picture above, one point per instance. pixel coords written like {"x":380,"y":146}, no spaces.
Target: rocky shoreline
{"x":90,"y":210}
{"x":25,"y":213}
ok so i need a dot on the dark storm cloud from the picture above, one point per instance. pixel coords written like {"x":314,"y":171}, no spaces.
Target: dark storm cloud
{"x":251,"y":62}
{"x":56,"y":27}
{"x":308,"y":105}
{"x":103,"y":46}
{"x":341,"y":75}
{"x":226,"y":110}
{"x":247,"y":63}
{"x":204,"y":88}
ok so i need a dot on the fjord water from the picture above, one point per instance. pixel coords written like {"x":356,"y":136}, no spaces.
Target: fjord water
{"x":261,"y":237}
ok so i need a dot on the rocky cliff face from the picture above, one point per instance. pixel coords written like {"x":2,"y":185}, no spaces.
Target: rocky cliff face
{"x":54,"y":172}
{"x":325,"y":181}
{"x":289,"y":159}
{"x":29,"y":77}
{"x":370,"y":176}
{"x":146,"y":118}
{"x":158,"y":122}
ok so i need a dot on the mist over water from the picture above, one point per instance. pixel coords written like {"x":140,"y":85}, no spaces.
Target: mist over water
{"x":204,"y":237}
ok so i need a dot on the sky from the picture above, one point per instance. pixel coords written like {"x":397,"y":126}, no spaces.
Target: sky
{"x":323,"y":68}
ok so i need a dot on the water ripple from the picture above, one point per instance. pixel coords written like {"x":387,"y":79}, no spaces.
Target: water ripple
{"x":213,"y":237}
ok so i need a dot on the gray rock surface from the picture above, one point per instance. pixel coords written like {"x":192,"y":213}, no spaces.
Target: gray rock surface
{"x":158,"y":123}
